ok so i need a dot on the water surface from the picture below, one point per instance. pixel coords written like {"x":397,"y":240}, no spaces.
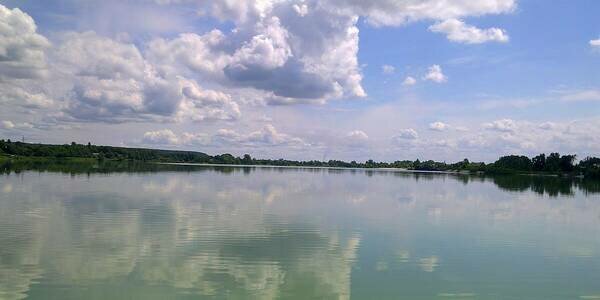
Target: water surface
{"x":263,"y":233}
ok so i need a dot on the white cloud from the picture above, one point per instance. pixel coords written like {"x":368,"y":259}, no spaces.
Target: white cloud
{"x":187,"y":138}
{"x":507,"y":136}
{"x":21,"y":47}
{"x":547,"y":126}
{"x":438,"y":126}
{"x":356,"y":138}
{"x":394,"y":13}
{"x":312,"y":44}
{"x":168,"y":137}
{"x":595,"y":43}
{"x":291,"y":58}
{"x":267,"y":136}
{"x":8,"y":124}
{"x":409,"y":81}
{"x":358,"y":135}
{"x":112,"y":80}
{"x":161,"y":137}
{"x":23,"y":62}
{"x":444,"y":143}
{"x":203,"y":104}
{"x":12,"y":93}
{"x":277,"y":52}
{"x":586,"y":95}
{"x":267,"y":50}
{"x":435,"y":74}
{"x":387,"y":69}
{"x":458,"y":31}
{"x":379,"y":12}
{"x":524,"y":137}
{"x":301,"y":9}
{"x":109,"y":80}
{"x":406,"y":134}
{"x":280,"y":52}
{"x":203,"y":55}
{"x":504,"y":125}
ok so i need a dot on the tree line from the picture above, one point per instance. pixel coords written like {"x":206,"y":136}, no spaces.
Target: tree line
{"x":554,"y":163}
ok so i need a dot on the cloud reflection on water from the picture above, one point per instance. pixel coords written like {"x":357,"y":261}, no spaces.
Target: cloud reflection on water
{"x":269,"y":233}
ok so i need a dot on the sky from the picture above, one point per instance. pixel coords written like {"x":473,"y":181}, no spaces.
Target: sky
{"x":305,"y":79}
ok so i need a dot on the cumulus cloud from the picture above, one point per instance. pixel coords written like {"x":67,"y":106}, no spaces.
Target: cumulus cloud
{"x":394,"y":13}
{"x":313,"y":44}
{"x":301,"y":9}
{"x":406,"y":139}
{"x":201,"y":139}
{"x":504,"y":137}
{"x":387,"y":69}
{"x":112,"y":80}
{"x":509,"y":137}
{"x":21,"y":47}
{"x":203,"y":55}
{"x":279,"y":52}
{"x":435,"y":74}
{"x":101,"y":79}
{"x":357,"y":135}
{"x":595,"y":43}
{"x":291,"y":58}
{"x":406,"y":134}
{"x":23,"y":61}
{"x":409,"y":81}
{"x":266,"y":136}
{"x":203,"y":104}
{"x":267,"y":50}
{"x":11,"y":92}
{"x":504,"y":125}
{"x":161,"y":137}
{"x":439,"y":126}
{"x":458,"y":31}
{"x":378,"y":13}
{"x":7,"y":124}
{"x":356,"y":138}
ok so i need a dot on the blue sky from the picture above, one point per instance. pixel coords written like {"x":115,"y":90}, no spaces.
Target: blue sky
{"x":305,"y":79}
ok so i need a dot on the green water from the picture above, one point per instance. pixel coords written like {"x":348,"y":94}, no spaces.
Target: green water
{"x":265,"y":233}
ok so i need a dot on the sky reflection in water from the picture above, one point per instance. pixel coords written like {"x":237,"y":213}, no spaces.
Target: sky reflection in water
{"x":302,"y":234}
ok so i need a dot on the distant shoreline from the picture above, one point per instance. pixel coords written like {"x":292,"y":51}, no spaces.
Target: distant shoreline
{"x":553,"y":164}
{"x":399,"y":170}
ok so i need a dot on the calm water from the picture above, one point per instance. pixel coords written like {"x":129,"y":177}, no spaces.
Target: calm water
{"x":202,"y":233}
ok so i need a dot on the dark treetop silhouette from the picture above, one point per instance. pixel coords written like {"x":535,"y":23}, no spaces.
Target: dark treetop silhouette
{"x":553,"y":164}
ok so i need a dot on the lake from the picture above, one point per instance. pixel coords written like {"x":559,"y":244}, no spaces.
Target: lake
{"x":193,"y":232}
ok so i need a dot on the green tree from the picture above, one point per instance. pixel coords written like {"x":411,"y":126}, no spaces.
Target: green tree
{"x":539,"y":162}
{"x":514,"y":162}
{"x":566,"y":163}
{"x":553,"y":162}
{"x":247,"y":160}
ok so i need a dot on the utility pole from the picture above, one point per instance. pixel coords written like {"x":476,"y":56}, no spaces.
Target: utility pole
{"x":23,"y":139}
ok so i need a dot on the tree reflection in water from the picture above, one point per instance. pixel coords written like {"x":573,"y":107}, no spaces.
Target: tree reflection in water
{"x":154,"y":231}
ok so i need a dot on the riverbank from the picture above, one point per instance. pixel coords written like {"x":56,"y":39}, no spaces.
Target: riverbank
{"x":84,"y":165}
{"x":552,"y":165}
